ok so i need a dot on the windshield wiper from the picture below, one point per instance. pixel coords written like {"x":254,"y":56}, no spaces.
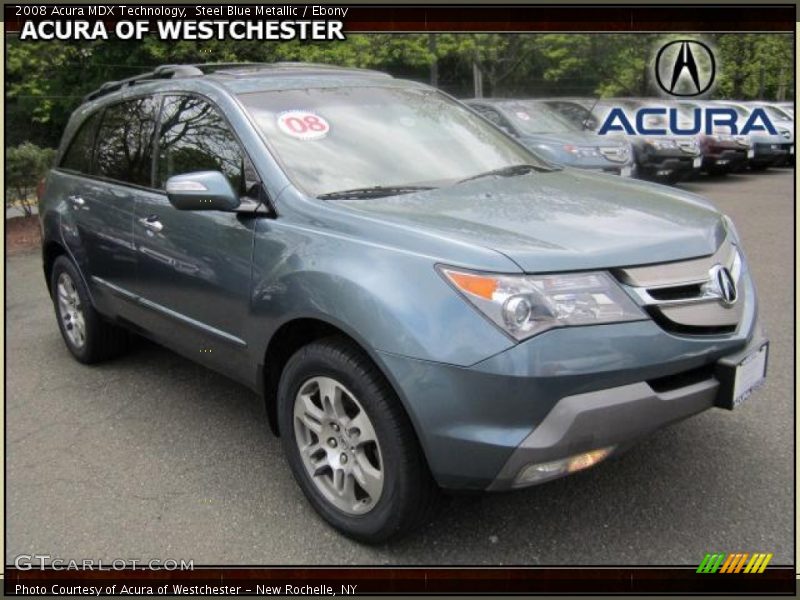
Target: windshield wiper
{"x":511,"y":171}
{"x":375,"y":191}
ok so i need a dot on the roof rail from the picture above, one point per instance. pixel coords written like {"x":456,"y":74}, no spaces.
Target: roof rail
{"x":200,"y":69}
{"x":325,"y":66}
{"x":208,"y":68}
{"x":162,"y":72}
{"x":221,"y":68}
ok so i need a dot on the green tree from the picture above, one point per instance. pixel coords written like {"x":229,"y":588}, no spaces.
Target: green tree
{"x":26,"y":164}
{"x":45,"y":81}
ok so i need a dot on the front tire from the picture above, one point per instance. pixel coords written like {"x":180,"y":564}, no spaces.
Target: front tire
{"x":87,"y":335}
{"x":350,"y":445}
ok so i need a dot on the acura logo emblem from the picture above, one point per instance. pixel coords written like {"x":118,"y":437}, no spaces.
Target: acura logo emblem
{"x":685,"y":68}
{"x":723,"y":285}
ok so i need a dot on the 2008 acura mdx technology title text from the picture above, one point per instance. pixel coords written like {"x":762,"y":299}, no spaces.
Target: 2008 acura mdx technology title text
{"x":423,"y":303}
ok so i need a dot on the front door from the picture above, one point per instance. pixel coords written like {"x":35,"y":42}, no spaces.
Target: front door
{"x":194,"y":267}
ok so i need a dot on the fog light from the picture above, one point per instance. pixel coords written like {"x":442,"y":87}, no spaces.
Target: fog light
{"x":588,"y":459}
{"x":540,"y":472}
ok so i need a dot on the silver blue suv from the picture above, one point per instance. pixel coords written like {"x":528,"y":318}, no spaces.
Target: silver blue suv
{"x":423,"y":303}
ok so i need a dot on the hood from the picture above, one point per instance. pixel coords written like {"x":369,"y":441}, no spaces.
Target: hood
{"x":560,"y":221}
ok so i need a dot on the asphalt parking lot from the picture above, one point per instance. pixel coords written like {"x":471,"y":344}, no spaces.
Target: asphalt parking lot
{"x":151,"y":456}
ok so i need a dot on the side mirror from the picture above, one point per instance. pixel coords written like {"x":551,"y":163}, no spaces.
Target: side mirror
{"x":203,"y":190}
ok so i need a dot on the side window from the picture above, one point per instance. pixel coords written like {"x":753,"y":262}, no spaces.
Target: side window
{"x":193,"y":136}
{"x":124,"y":149}
{"x":496,"y":118}
{"x":78,"y":156}
{"x":576,"y":114}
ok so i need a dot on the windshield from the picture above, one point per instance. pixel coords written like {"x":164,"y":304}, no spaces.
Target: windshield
{"x":533,"y":118}
{"x":777,"y":113}
{"x":334,"y":139}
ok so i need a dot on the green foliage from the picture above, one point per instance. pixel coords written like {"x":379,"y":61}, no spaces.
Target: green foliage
{"x":45,"y":81}
{"x":26,"y":164}
{"x":755,"y":66}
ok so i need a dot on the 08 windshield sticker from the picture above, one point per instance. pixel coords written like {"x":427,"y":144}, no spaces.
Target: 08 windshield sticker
{"x":522,"y":115}
{"x":303,"y":125}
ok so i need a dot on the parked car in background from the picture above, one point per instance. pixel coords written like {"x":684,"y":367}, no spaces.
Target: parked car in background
{"x":782,"y":119}
{"x":575,"y":109}
{"x":767,"y":150}
{"x":776,"y":112}
{"x":555,"y":138}
{"x":664,"y":158}
{"x":787,"y":107}
{"x":422,"y":302}
{"x":722,"y":151}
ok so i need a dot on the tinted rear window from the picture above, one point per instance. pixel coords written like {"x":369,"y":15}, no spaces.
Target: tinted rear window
{"x":124,"y":149}
{"x":78,"y":156}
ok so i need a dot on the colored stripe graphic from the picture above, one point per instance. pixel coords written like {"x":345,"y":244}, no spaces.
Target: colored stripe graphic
{"x":736,"y":562}
{"x":727,"y":563}
{"x":764,"y":564}
{"x":741,"y":562}
{"x":711,"y":563}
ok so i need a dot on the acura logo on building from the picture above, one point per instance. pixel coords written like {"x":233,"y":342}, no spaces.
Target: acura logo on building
{"x":685,"y":68}
{"x":723,"y":284}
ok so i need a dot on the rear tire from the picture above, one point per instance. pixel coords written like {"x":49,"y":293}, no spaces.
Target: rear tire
{"x":332,"y":402}
{"x":87,"y":335}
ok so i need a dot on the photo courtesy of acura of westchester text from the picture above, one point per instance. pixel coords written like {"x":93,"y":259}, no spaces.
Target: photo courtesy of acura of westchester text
{"x":399,"y":286}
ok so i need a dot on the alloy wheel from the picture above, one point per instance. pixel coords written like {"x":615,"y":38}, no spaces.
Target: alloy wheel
{"x":338,"y":445}
{"x":70,"y":310}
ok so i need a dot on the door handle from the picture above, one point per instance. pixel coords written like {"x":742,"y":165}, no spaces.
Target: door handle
{"x":152,"y":223}
{"x":76,"y":201}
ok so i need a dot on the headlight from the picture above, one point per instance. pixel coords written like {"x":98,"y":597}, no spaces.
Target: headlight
{"x":526,"y":305}
{"x":581,"y":150}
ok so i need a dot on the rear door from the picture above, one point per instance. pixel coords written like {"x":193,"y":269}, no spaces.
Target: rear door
{"x":102,"y":181}
{"x":193,"y":268}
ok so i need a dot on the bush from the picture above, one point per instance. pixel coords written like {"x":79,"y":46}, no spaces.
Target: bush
{"x":26,"y":164}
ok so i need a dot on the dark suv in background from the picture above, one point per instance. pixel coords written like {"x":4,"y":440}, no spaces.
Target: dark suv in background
{"x":663,"y":158}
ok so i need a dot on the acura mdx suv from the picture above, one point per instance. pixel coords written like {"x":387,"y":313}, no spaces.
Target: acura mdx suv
{"x":423,"y":303}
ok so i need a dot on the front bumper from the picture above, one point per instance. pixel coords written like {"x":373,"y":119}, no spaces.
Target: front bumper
{"x":614,"y":417}
{"x":666,"y":162}
{"x":564,"y":392}
{"x":770,"y":154}
{"x":724,"y":158}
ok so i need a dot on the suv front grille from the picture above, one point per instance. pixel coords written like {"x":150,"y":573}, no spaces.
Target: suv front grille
{"x":692,"y":297}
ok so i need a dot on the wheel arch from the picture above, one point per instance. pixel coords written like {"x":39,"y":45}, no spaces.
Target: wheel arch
{"x":300,"y":331}
{"x":51,"y":250}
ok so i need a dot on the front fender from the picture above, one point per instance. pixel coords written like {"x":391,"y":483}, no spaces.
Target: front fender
{"x":391,"y":300}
